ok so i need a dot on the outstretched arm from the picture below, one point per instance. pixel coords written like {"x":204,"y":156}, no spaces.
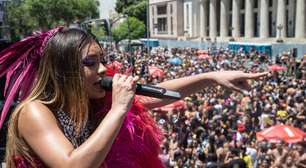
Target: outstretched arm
{"x":235,"y":80}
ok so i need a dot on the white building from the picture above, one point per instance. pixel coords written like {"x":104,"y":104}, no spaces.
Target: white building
{"x":247,"y":20}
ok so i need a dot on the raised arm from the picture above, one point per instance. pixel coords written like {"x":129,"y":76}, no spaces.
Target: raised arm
{"x":235,"y":80}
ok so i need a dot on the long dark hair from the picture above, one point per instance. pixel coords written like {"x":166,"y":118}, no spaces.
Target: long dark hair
{"x":59,"y":85}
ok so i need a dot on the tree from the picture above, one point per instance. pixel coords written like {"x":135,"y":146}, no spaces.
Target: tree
{"x":134,"y":8}
{"x":98,"y":31}
{"x":19,"y":20}
{"x":28,"y":15}
{"x":137,"y":29}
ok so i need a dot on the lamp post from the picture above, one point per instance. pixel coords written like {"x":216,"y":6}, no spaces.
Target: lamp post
{"x":129,"y":35}
{"x":232,"y":37}
{"x":279,"y":28}
{"x":148,"y":27}
{"x":111,"y":23}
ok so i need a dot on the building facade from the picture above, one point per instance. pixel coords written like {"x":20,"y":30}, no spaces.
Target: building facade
{"x":228,"y":19}
{"x":166,"y":18}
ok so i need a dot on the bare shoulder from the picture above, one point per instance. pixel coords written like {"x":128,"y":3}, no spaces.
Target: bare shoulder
{"x":35,"y":117}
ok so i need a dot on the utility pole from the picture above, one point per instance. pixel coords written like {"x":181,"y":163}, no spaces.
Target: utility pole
{"x":148,"y":28}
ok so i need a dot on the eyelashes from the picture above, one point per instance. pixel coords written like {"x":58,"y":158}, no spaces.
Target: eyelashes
{"x":88,"y":62}
{"x":93,"y":62}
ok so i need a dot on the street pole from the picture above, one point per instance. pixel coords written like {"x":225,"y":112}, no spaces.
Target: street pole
{"x":148,"y":28}
{"x":110,"y":34}
{"x":129,"y":37}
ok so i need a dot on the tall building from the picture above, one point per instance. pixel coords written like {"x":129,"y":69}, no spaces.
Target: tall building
{"x":241,"y":20}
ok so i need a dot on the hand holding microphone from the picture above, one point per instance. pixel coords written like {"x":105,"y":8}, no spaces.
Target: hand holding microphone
{"x":123,"y":88}
{"x":146,"y":90}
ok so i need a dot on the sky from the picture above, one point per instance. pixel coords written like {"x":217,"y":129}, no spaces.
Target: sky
{"x":105,"y":7}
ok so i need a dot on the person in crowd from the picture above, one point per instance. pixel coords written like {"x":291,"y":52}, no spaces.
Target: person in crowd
{"x":56,"y":76}
{"x":234,"y":160}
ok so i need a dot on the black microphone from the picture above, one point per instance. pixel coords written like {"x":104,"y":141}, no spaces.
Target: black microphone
{"x":146,"y":90}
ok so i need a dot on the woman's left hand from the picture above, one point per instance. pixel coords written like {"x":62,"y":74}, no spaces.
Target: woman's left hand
{"x":236,"y":80}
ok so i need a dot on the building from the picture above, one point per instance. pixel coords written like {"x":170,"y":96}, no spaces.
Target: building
{"x":166,"y":18}
{"x":227,"y":20}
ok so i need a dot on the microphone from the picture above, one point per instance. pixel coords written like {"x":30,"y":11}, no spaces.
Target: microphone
{"x":146,"y":90}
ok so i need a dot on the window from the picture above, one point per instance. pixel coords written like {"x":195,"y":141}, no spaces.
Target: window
{"x":152,"y":10}
{"x":171,"y":9}
{"x":270,"y":3}
{"x":255,"y":4}
{"x":162,"y":25}
{"x":242,"y":4}
{"x":162,"y":10}
{"x":187,"y":14}
{"x":171,"y":25}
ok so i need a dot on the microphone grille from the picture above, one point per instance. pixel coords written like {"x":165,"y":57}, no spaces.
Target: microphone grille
{"x":107,"y":83}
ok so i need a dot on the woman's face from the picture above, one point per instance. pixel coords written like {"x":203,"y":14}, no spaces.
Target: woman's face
{"x":94,"y":70}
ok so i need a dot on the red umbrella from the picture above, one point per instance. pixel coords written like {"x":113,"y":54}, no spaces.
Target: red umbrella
{"x":199,"y":52}
{"x":282,"y":132}
{"x":156,"y":72}
{"x":175,"y":105}
{"x":203,"y":56}
{"x":277,"y":68}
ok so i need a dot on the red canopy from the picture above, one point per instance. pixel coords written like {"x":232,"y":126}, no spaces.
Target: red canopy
{"x":281,"y":132}
{"x":277,"y":68}
{"x":203,"y":56}
{"x":175,"y":105}
{"x":156,"y":72}
{"x":199,"y":52}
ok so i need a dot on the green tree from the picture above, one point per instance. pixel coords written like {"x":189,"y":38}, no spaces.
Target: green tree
{"x":98,"y":31}
{"x":134,"y":8}
{"x":28,"y":15}
{"x":19,"y":19}
{"x":137,"y":29}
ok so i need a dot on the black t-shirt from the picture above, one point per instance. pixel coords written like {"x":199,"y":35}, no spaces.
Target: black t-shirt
{"x":236,"y":163}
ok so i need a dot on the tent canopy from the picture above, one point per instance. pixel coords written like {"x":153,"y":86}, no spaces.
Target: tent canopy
{"x":150,"y":42}
{"x":260,"y":47}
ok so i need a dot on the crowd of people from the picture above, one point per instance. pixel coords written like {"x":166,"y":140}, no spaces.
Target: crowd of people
{"x":217,"y":127}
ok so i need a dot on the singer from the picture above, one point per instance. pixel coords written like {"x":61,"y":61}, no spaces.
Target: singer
{"x":65,"y":119}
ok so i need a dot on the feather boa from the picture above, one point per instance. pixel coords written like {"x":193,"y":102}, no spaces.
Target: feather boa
{"x":138,"y":143}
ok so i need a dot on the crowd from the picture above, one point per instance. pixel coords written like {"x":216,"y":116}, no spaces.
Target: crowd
{"x":217,"y":128}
